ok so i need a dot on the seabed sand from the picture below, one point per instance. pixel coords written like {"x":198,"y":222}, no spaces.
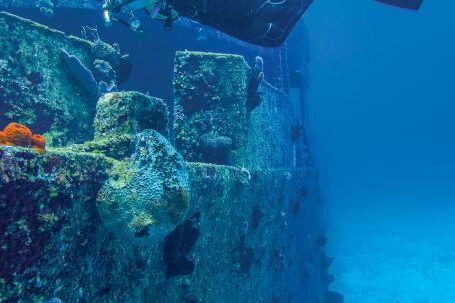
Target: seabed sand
{"x":405,"y":256}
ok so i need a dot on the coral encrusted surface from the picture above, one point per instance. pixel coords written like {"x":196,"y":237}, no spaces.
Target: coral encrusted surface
{"x":116,"y":213}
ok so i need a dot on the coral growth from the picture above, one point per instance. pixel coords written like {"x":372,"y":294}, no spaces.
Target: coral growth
{"x":35,"y":89}
{"x":2,"y":138}
{"x":39,"y":197}
{"x":104,"y":71}
{"x":46,"y":7}
{"x":210,"y":113}
{"x":215,"y":148}
{"x":106,"y":52}
{"x":39,"y":143}
{"x":129,"y":113}
{"x":80,"y":72}
{"x":85,"y":77}
{"x":16,"y":134}
{"x":255,"y":78}
{"x":147,"y":196}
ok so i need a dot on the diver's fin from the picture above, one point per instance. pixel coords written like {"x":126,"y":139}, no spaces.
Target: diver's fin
{"x":409,"y":4}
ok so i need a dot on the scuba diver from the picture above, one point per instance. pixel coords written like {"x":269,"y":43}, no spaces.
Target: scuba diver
{"x":261,"y":22}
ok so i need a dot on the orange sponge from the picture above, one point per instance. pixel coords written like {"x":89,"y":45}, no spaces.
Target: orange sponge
{"x":2,"y":138}
{"x":17,"y":135}
{"x":38,"y":143}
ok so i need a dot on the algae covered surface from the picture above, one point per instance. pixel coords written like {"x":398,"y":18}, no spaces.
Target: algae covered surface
{"x":132,"y":201}
{"x":41,"y":198}
{"x":35,"y":90}
{"x":39,"y":88}
{"x":211,"y":99}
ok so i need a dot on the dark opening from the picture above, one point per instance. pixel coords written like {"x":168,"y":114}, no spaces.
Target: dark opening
{"x":177,"y":246}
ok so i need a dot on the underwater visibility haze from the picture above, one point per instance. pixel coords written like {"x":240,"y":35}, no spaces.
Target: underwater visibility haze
{"x":381,"y":116}
{"x":227,"y":151}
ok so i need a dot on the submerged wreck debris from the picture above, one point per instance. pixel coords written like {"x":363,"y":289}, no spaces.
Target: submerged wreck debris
{"x":242,"y":256}
{"x":215,"y":148}
{"x":211,"y":90}
{"x":106,"y":52}
{"x":101,"y":77}
{"x":211,"y":95}
{"x":22,"y":89}
{"x":111,"y":212}
{"x":119,"y":117}
{"x":147,"y":196}
{"x":41,"y":197}
{"x":39,"y":91}
{"x":333,"y":297}
{"x":110,"y":65}
{"x":129,"y":113}
{"x":147,"y":193}
{"x":110,"y":54}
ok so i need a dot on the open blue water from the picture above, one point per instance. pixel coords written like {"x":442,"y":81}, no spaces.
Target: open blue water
{"x":382,"y":108}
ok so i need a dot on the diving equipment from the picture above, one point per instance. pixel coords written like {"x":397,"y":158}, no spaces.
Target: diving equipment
{"x":262,"y":22}
{"x":156,"y":9}
{"x":408,"y":4}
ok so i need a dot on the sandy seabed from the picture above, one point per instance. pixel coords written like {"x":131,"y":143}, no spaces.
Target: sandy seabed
{"x":406,"y":257}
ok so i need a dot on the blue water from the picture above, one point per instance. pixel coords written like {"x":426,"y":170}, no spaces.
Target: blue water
{"x":382,"y":114}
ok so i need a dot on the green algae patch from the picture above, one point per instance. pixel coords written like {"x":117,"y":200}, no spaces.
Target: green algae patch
{"x":117,"y":147}
{"x":129,"y":113}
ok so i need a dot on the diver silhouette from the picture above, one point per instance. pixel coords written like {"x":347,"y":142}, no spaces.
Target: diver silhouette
{"x":261,"y":22}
